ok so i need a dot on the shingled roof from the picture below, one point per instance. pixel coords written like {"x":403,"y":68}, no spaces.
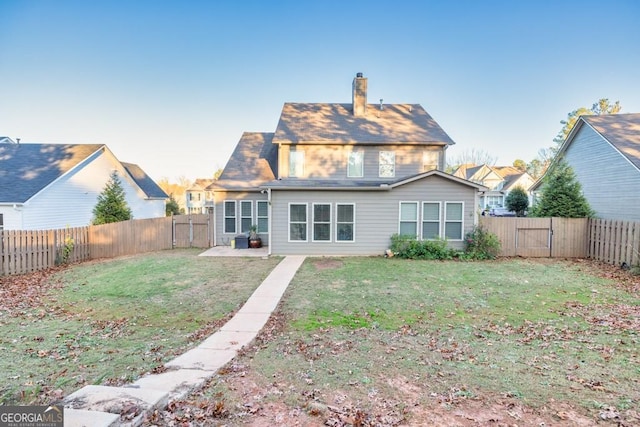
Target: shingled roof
{"x":25,"y":169}
{"x":304,"y":123}
{"x":146,"y":184}
{"x":252,"y":163}
{"x":621,"y":130}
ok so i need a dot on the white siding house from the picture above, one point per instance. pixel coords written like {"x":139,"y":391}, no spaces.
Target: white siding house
{"x":47,"y":186}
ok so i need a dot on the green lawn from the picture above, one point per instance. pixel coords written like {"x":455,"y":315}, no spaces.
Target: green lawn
{"x":108,"y":322}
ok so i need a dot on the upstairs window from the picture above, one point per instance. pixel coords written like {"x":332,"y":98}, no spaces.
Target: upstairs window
{"x":430,"y":160}
{"x":387,"y":164}
{"x":296,"y":164}
{"x":355,"y":164}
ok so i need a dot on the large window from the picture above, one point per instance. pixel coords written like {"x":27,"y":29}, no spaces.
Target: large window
{"x":453,"y":220}
{"x":298,"y":222}
{"x":387,"y":164}
{"x":230,"y":216}
{"x":430,"y":220}
{"x":408,"y":219}
{"x":262,"y":216}
{"x":321,"y":222}
{"x":296,"y":164}
{"x":345,"y":222}
{"x":492,"y":201}
{"x":246,"y":215}
{"x":355,"y":164}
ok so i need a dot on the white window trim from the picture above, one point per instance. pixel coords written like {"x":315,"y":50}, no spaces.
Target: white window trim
{"x":393,"y":174}
{"x":422,"y":220}
{"x":225,"y":217}
{"x":241,"y":216}
{"x":258,"y":216}
{"x":444,"y":221}
{"x":306,"y":206}
{"x":313,"y":222}
{"x":361,"y":154}
{"x":353,"y":235}
{"x":292,"y":168}
{"x":402,"y":202}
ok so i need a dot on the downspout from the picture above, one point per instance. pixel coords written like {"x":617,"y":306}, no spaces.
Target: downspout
{"x":215,"y":223}
{"x":270,"y":222}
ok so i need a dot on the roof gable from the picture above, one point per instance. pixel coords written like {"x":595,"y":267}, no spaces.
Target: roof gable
{"x":26,"y":169}
{"x":309,"y":123}
{"x":146,"y":184}
{"x":620,"y":130}
{"x":251,"y":164}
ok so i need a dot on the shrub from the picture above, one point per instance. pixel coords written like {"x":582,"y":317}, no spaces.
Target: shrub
{"x":409,"y":248}
{"x":481,"y":244}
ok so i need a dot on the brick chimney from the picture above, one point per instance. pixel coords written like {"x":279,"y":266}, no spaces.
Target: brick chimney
{"x":359,"y":99}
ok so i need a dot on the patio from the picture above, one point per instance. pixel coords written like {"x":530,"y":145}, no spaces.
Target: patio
{"x":228,"y":251}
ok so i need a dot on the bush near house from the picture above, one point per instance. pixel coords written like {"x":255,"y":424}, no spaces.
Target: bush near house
{"x":480,"y":244}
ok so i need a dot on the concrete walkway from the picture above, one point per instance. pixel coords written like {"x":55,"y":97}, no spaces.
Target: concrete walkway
{"x":101,"y":406}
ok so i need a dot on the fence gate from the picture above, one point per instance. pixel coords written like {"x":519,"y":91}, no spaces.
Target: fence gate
{"x":192,"y":231}
{"x":533,"y":237}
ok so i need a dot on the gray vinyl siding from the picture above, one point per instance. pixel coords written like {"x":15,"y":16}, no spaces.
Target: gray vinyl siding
{"x":222,"y":238}
{"x":330,"y":161}
{"x":609,"y":181}
{"x":376,"y":215}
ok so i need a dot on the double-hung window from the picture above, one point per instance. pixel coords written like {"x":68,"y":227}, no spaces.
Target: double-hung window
{"x":387,"y":164}
{"x":246,"y":215}
{"x":345,"y":222}
{"x":321,"y":222}
{"x":408,"y":219}
{"x":296,"y":164}
{"x":297,"y":222}
{"x":262,"y":216}
{"x":430,"y":220}
{"x":430,"y":160}
{"x":453,"y":215}
{"x":230,"y":216}
{"x":355,"y":166}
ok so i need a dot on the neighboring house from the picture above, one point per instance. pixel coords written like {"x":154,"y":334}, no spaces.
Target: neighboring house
{"x":499,"y":179}
{"x":48,"y":186}
{"x":199,"y":200}
{"x":341,"y":179}
{"x":604,"y":153}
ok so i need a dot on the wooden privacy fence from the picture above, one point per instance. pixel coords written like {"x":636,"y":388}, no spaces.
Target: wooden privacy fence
{"x":24,"y":251}
{"x":614,"y":242}
{"x":540,"y":237}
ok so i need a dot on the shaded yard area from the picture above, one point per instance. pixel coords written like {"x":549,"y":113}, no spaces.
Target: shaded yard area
{"x":385,"y":342}
{"x":108,"y":322}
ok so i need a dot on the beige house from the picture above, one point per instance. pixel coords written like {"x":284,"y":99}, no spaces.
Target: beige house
{"x":499,"y":180}
{"x":198,"y":198}
{"x":341,"y":179}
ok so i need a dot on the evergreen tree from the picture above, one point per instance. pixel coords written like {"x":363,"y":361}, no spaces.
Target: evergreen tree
{"x":112,"y":205}
{"x":517,"y":200}
{"x":562,"y":195}
{"x":172,"y":207}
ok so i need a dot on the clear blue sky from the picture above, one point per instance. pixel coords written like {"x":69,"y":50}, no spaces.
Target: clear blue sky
{"x":171,"y":85}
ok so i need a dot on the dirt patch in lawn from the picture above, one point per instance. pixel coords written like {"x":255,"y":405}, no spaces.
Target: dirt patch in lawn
{"x":327,"y":263}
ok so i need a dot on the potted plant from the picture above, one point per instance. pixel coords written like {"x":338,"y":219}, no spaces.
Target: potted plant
{"x":254,"y":240}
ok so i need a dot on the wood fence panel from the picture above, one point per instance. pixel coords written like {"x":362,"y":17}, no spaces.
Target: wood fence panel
{"x":201,"y":230}
{"x":570,"y":238}
{"x":533,"y":237}
{"x":182,"y":231}
{"x":505,"y":229}
{"x":614,"y":242}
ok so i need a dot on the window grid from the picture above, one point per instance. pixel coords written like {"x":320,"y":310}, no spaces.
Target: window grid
{"x":408,"y":220}
{"x":453,"y":220}
{"x":355,"y":164}
{"x":246,"y":215}
{"x":262,"y":216}
{"x":345,"y":222}
{"x":298,"y":222}
{"x":321,"y":222}
{"x":230,"y":216}
{"x":387,"y":164}
{"x":296,"y":164}
{"x":430,"y":220}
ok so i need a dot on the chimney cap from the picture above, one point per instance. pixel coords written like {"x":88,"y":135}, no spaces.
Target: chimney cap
{"x":359,"y":75}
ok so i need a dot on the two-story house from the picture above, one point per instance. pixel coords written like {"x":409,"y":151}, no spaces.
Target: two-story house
{"x":499,"y":180}
{"x":341,"y":179}
{"x":199,"y":199}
